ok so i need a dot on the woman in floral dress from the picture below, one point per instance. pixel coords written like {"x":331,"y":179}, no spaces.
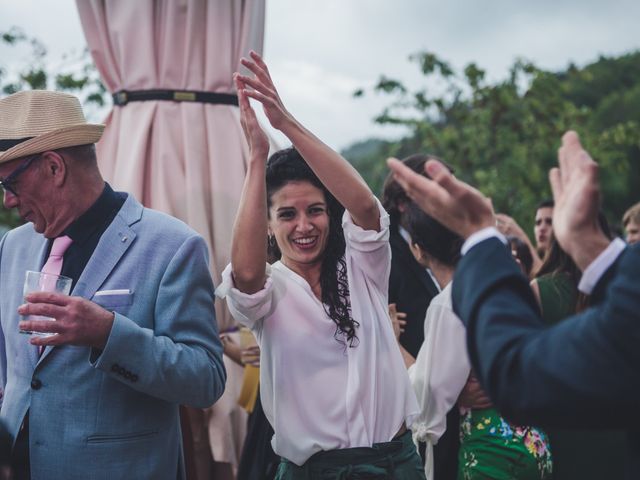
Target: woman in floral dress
{"x":490,"y":447}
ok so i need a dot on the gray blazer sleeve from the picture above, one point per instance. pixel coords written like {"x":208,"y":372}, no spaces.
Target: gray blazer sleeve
{"x":180,"y":359}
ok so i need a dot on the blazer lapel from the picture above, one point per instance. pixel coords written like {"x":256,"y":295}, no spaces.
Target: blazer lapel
{"x":113,"y":244}
{"x":35,"y":265}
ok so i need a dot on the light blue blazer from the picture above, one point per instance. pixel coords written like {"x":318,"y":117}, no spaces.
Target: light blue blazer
{"x":113,"y":414}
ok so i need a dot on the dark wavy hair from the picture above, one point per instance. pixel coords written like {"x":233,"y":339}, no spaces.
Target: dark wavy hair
{"x":432,"y":237}
{"x":287,"y":166}
{"x":558,"y":262}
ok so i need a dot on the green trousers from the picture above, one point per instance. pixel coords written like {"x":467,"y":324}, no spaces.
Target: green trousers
{"x":397,"y":459}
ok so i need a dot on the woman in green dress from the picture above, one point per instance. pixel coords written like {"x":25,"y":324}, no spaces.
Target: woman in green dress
{"x":577,"y":454}
{"x":490,"y":447}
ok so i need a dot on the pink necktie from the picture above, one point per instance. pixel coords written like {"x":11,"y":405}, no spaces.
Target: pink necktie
{"x":54,"y":262}
{"x":53,"y":265}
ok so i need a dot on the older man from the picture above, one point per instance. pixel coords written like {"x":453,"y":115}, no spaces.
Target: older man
{"x":582,"y":372}
{"x":137,"y":336}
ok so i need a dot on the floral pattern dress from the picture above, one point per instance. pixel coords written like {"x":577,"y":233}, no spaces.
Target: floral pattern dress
{"x":492,"y":448}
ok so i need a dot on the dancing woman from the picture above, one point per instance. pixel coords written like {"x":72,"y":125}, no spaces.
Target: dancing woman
{"x":333,"y":383}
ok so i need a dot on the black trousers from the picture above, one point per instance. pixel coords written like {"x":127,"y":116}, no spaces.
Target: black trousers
{"x":20,"y":456}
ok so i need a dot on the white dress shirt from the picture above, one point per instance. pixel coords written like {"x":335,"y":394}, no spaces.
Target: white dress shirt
{"x":440,"y":373}
{"x":317,"y":393}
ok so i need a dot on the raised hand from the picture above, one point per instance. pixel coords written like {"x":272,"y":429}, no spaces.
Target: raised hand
{"x":458,"y":206}
{"x":264,"y":91}
{"x":256,"y":138}
{"x":576,"y":192}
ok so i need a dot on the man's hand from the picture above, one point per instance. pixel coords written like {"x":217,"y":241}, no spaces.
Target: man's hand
{"x":78,"y":321}
{"x":458,"y":206}
{"x":398,"y":320}
{"x":576,"y":192}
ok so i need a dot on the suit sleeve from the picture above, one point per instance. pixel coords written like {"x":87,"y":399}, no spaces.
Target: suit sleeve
{"x":581,"y":372}
{"x":180,"y":359}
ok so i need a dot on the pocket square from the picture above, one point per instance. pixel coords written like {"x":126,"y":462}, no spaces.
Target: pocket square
{"x":122,"y":291}
{"x":113,"y":298}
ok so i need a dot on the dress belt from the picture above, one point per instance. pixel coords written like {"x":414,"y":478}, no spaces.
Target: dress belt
{"x":122,"y":97}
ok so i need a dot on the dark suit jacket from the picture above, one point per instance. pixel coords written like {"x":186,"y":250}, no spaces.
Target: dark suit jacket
{"x":583,"y":372}
{"x":411,"y":289}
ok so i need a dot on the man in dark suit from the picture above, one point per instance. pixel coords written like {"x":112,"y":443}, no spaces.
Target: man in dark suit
{"x":411,"y":289}
{"x":583,"y":372}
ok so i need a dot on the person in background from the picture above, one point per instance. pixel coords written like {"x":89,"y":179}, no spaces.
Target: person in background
{"x":583,"y":454}
{"x":631,"y":224}
{"x":542,"y":231}
{"x":490,"y":446}
{"x":583,"y":371}
{"x":543,"y":227}
{"x":411,"y":288}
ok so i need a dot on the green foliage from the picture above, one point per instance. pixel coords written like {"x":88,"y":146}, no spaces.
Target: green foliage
{"x":76,"y":74}
{"x":503,"y":137}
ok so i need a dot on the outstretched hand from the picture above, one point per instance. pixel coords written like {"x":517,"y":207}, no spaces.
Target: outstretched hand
{"x":256,"y":138}
{"x":263,"y":90}
{"x":458,"y":206}
{"x":576,"y":193}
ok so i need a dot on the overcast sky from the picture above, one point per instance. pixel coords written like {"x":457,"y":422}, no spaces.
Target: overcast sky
{"x":320,"y":51}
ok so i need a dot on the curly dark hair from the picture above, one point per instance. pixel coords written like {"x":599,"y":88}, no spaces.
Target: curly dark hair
{"x":287,"y":166}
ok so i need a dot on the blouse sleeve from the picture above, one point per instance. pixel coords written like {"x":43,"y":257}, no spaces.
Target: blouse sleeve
{"x":246,"y":309}
{"x":369,"y":250}
{"x":440,"y":372}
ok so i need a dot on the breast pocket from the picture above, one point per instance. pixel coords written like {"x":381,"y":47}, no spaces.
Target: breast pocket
{"x":110,"y":299}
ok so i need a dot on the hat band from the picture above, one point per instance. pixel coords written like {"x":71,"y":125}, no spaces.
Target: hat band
{"x":10,"y":143}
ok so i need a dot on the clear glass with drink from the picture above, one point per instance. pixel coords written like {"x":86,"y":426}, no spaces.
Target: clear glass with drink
{"x":44,"y":282}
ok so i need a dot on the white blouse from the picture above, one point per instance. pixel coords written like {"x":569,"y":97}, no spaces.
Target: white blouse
{"x":440,"y":373}
{"x":317,"y":393}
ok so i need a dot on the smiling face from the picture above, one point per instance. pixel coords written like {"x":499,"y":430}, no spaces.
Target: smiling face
{"x":299,"y":221}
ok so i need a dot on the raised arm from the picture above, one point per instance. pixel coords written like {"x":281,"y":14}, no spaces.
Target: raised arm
{"x":342,"y":180}
{"x":249,"y":242}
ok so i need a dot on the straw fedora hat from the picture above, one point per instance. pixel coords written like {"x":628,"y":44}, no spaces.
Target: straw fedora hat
{"x":35,"y":121}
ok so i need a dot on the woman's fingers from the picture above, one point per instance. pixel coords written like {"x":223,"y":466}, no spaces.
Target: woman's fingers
{"x":261,"y":74}
{"x":257,"y":85}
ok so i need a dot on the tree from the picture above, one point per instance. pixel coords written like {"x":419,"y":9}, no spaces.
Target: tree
{"x":503,"y":137}
{"x":75,"y":74}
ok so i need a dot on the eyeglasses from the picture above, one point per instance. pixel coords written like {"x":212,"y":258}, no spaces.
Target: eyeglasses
{"x":9,"y":184}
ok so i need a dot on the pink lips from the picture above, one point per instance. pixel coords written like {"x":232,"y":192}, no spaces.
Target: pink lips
{"x":307,"y":245}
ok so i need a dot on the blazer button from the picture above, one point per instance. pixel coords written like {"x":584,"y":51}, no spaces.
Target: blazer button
{"x":36,"y":384}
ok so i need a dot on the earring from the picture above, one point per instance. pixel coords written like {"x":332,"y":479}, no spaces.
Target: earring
{"x":271,"y":240}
